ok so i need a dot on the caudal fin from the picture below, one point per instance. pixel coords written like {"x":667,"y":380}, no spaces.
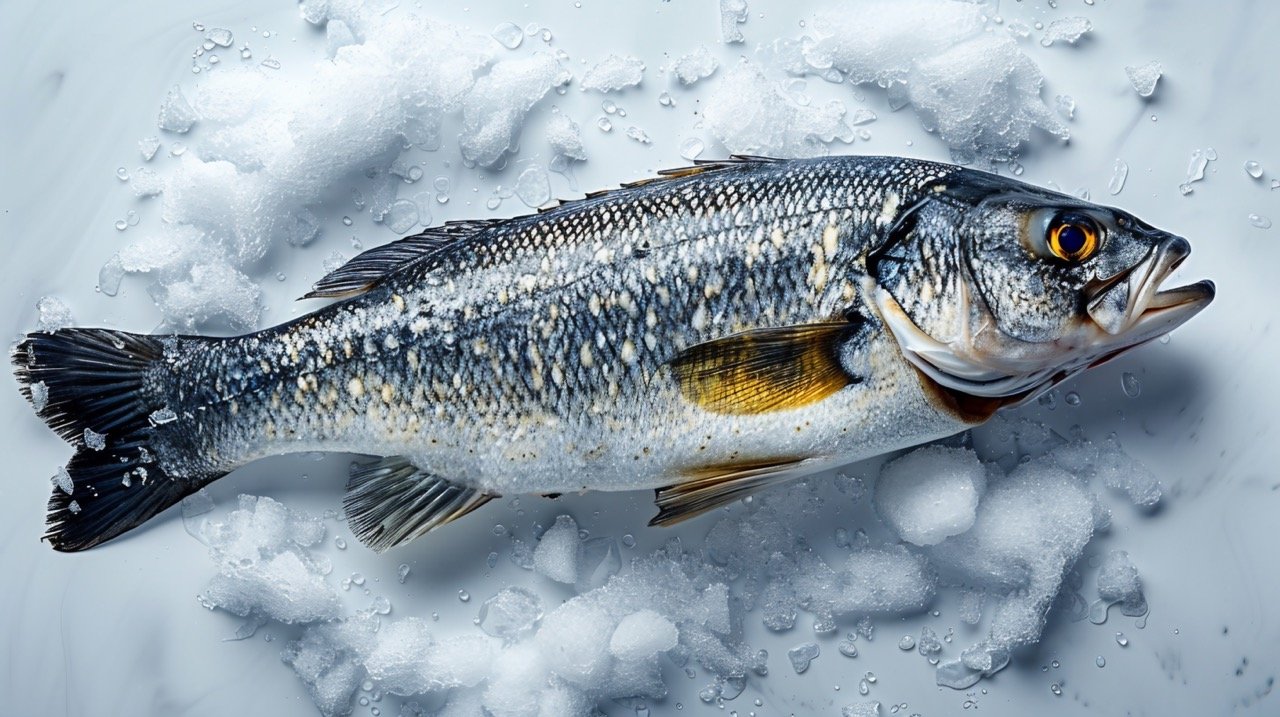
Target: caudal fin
{"x":91,"y":386}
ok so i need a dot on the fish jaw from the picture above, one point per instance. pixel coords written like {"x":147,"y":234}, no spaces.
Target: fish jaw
{"x":1123,"y":312}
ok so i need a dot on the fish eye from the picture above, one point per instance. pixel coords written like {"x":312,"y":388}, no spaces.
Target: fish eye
{"x":1073,"y":237}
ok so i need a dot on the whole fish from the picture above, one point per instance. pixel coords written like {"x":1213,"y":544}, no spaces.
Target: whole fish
{"x":705,"y":333}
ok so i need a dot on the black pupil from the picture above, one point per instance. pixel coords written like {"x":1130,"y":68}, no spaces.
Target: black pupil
{"x":1072,"y":239}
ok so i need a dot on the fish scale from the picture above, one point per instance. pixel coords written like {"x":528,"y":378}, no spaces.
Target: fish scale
{"x":705,"y":333}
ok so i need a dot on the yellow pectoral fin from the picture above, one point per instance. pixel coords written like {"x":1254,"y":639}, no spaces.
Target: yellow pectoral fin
{"x":765,"y":370}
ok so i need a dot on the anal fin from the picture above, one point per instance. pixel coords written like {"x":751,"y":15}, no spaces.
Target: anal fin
{"x":390,"y":502}
{"x":714,"y":486}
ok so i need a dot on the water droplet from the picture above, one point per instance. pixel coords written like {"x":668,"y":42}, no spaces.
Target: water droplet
{"x":1253,"y":169}
{"x":340,"y":543}
{"x":1121,"y":640}
{"x":246,"y":53}
{"x":121,"y":225}
{"x":609,"y":107}
{"x":1259,"y":221}
{"x":1100,"y":661}
{"x":1130,"y":384}
{"x":1056,"y":689}
{"x":122,"y":174}
{"x":402,"y":572}
{"x":604,"y":124}
{"x":464,"y":596}
{"x":906,"y":643}
{"x":508,"y":34}
{"x":1072,"y":398}
{"x":628,"y":540}
{"x":691,"y":148}
{"x":1119,"y":173}
{"x":665,"y":100}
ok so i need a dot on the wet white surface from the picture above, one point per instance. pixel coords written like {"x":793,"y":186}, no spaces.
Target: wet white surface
{"x":117,"y":630}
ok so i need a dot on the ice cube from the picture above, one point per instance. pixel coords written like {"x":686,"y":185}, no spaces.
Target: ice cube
{"x":556,"y":556}
{"x":176,"y":113}
{"x":802,"y":655}
{"x":510,"y":613}
{"x":1144,"y":77}
{"x":565,"y":137}
{"x":931,"y":493}
{"x":93,"y":440}
{"x":53,"y":313}
{"x":732,"y":14}
{"x":641,"y":635}
{"x":147,"y":147}
{"x":1066,"y":29}
{"x":697,"y":65}
{"x":615,"y":72}
{"x":327,"y":667}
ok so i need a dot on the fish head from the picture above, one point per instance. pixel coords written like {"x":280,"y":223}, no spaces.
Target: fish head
{"x":999,"y":290}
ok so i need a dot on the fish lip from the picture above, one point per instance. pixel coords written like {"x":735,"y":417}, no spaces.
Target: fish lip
{"x":1117,"y":304}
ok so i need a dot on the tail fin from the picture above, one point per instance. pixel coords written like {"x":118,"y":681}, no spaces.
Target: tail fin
{"x":90,"y":385}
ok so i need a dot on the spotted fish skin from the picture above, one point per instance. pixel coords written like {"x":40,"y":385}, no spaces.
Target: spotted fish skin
{"x":533,"y":356}
{"x":702,"y":333}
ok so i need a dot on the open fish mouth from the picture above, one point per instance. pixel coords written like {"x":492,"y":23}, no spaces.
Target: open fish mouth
{"x":1133,"y":303}
{"x":1123,"y":311}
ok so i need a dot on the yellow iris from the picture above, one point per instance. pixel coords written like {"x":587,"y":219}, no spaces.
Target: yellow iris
{"x":1073,"y":238}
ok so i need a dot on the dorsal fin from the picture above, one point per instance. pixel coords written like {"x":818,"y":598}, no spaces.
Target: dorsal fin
{"x":367,"y":269}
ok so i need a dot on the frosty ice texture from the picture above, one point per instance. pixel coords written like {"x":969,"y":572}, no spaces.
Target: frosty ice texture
{"x":697,"y":65}
{"x":615,"y":72}
{"x":751,"y":114}
{"x":556,"y":556}
{"x":930,"y":494}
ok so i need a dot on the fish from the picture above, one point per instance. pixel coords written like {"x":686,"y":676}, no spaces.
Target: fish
{"x":704,"y":333}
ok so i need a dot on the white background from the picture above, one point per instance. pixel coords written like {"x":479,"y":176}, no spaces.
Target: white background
{"x":117,"y":630}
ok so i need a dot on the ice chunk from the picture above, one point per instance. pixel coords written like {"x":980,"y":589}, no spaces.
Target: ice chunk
{"x":219,"y":36}
{"x":1066,"y":29}
{"x":1119,"y":472}
{"x":93,"y":440}
{"x":231,"y":95}
{"x":732,"y":14}
{"x":39,"y":396}
{"x":802,"y":655}
{"x":510,"y":613}
{"x":176,"y":113}
{"x":147,"y":147}
{"x":697,"y":65}
{"x":146,"y":183}
{"x":265,"y":566}
{"x":398,"y":660}
{"x":62,"y":481}
{"x":337,"y":35}
{"x":615,"y":72}
{"x":53,"y":313}
{"x":565,"y":137}
{"x":401,"y":216}
{"x":642,"y":634}
{"x":533,"y":187}
{"x":598,"y":560}
{"x":1119,"y":582}
{"x":879,"y":40}
{"x":556,"y":556}
{"x":864,"y":709}
{"x":161,"y":416}
{"x":750,"y":114}
{"x":889,"y":579}
{"x":575,"y":639}
{"x":326,"y":664}
{"x":1144,"y":77}
{"x":494,"y":110}
{"x":982,"y":97}
{"x":930,"y":494}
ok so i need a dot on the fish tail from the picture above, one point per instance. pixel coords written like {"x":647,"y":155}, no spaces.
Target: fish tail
{"x":92,"y":386}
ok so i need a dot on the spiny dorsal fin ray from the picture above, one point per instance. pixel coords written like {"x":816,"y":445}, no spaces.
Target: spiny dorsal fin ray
{"x":390,"y":502}
{"x":367,"y":269}
{"x":765,"y":370}
{"x":713,"y":486}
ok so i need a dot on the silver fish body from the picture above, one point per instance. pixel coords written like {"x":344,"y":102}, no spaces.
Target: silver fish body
{"x":708,"y":332}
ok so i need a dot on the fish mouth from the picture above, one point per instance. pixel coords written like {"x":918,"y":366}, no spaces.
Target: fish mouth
{"x":1121,"y":312}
